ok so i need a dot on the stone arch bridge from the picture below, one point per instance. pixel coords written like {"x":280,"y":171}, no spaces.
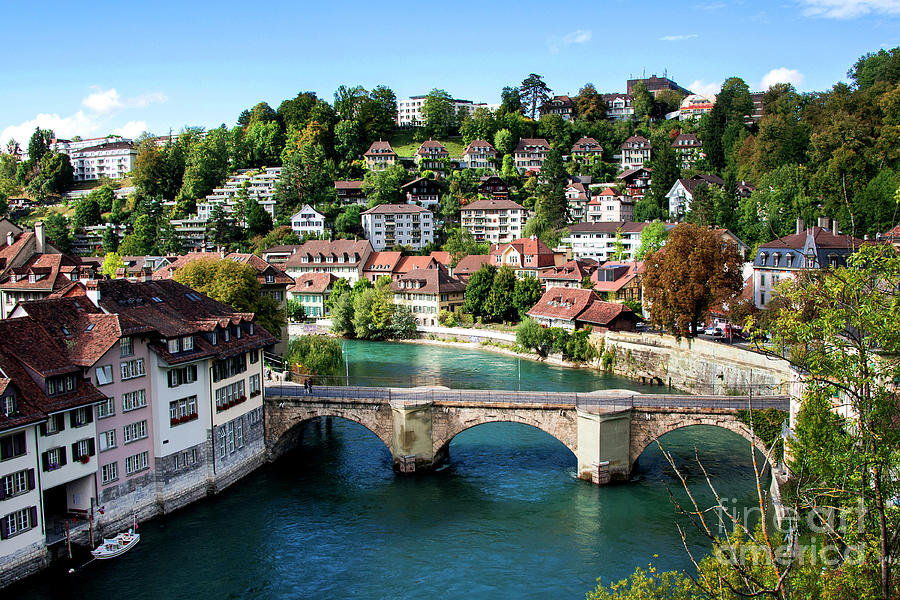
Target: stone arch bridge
{"x":607,"y":431}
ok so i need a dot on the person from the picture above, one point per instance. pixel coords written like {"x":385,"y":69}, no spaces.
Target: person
{"x":307,"y":386}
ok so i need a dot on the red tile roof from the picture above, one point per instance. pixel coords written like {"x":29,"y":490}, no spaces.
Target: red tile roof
{"x":355,"y":251}
{"x":523,"y":142}
{"x":384,"y":148}
{"x":500,"y":204}
{"x":433,"y":279}
{"x":383,"y":262}
{"x":824,"y":238}
{"x":390,"y":209}
{"x":313,"y":283}
{"x":624,"y":273}
{"x":573,"y":270}
{"x":471,"y":263}
{"x":432,"y":148}
{"x":470,"y":149}
{"x":605,"y":313}
{"x":527,"y":247}
{"x":562,"y":303}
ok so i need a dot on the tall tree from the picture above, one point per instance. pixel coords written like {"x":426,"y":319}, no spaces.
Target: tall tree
{"x":438,"y":113}
{"x":553,"y":205}
{"x":589,"y":104}
{"x":510,"y":100}
{"x":478,"y":288}
{"x":526,"y":294}
{"x":57,"y":231}
{"x":666,"y":170}
{"x":642,"y":101}
{"x":534,"y":93}
{"x":499,"y":305}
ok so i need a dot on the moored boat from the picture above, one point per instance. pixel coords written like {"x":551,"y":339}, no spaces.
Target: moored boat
{"x":111,"y":548}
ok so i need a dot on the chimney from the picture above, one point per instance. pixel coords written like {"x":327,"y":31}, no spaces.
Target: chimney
{"x":799,"y":224}
{"x":834,"y":226}
{"x":823,"y":222}
{"x":93,"y":291}
{"x":10,"y":238}
{"x":39,"y":238}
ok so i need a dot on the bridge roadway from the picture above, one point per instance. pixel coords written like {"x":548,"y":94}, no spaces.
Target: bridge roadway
{"x":606,"y":430}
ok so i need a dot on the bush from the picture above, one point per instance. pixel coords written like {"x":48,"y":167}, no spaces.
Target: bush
{"x":316,"y":354}
{"x":530,"y":335}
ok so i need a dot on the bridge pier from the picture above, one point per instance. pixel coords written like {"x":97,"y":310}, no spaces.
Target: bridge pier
{"x":604,"y":445}
{"x":411,"y":445}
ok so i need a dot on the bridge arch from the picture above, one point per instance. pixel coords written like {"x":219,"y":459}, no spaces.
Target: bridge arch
{"x":441,"y":440}
{"x":642,"y":437}
{"x":290,"y":433}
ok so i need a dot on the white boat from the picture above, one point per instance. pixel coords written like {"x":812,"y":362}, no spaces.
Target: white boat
{"x":111,"y":548}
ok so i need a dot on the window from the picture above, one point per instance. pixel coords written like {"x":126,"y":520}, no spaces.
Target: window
{"x":226,"y":335}
{"x":229,"y":429}
{"x":230,"y":395}
{"x":60,"y":385}
{"x":254,"y":354}
{"x":53,"y":459}
{"x":109,"y":472}
{"x":135,"y":431}
{"x":133,"y":368}
{"x":239,"y":433}
{"x":16,"y":483}
{"x":54,"y":424}
{"x":18,"y":522}
{"x":174,"y":346}
{"x":182,"y":375}
{"x":9,"y":404}
{"x":187,"y":343}
{"x":254,"y":416}
{"x":106,"y":409}
{"x":136,"y":463}
{"x":255,"y":388}
{"x":134,"y":400}
{"x":126,"y":346}
{"x":183,"y":410}
{"x":81,"y":416}
{"x":107,"y":440}
{"x":188,"y":458}
{"x":83,"y":449}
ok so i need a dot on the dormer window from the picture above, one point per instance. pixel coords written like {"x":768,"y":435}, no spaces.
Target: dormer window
{"x":31,"y":278}
{"x":9,"y":404}
{"x":270,"y":278}
{"x":174,"y":346}
{"x":187,"y":343}
{"x":226,"y":335}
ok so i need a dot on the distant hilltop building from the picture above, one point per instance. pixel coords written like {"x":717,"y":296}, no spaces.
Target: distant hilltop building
{"x":695,"y":105}
{"x":93,"y":158}
{"x":656,"y":84}
{"x":409,"y":111}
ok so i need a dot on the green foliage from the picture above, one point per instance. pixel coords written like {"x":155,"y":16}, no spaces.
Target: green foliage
{"x":295,"y":311}
{"x":383,"y":187}
{"x":438,"y":113}
{"x":648,"y":584}
{"x":526,"y":294}
{"x":499,"y":305}
{"x":653,"y":236}
{"x":87,"y":212}
{"x":56,"y":229}
{"x":534,"y":93}
{"x":643,"y":101}
{"x":530,"y":335}
{"x":316,"y":354}
{"x":112,"y":262}
{"x":461,"y":243}
{"x":766,"y":425}
{"x":478,"y":288}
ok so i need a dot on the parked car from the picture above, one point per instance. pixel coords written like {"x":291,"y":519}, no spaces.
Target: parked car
{"x":714,"y":331}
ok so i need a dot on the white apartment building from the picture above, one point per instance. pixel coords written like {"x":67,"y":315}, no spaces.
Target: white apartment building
{"x":389,"y":225}
{"x":607,"y":206}
{"x":597,"y":241}
{"x":618,"y":106}
{"x":308,"y":221}
{"x":635,"y":152}
{"x":258,"y":184}
{"x":479,"y":154}
{"x":494,"y":221}
{"x":113,"y":160}
{"x":409,"y":111}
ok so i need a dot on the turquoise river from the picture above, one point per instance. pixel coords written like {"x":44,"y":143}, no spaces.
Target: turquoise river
{"x":505,"y":518}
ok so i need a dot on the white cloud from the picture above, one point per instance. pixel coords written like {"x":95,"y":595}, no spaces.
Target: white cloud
{"x":678,"y":38}
{"x":701,"y":87}
{"x":109,"y":101}
{"x":131,"y":129}
{"x":579,"y":36}
{"x":64,"y":127}
{"x":849,"y":9}
{"x":781,"y":75}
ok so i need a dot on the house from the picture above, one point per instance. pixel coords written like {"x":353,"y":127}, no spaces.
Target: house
{"x":39,"y":277}
{"x":570,"y":274}
{"x":618,"y":106}
{"x":7,"y":227}
{"x":618,"y":281}
{"x":479,"y":154}
{"x":113,"y":160}
{"x":695,"y":105}
{"x":431,"y":155}
{"x":892,"y":236}
{"x":350,"y":192}
{"x":682,"y":193}
{"x":605,"y":241}
{"x":428,"y":291}
{"x":587,"y":149}
{"x":409,"y":111}
{"x":379,"y":156}
{"x":688,"y":148}
{"x":636,"y":152}
{"x":469,"y":264}
{"x":342,"y":258}
{"x":559,"y":105}
{"x":205,"y":374}
{"x":573,"y":308}
{"x":530,"y":153}
{"x":392,"y":225}
{"x":494,"y":221}
{"x":525,"y":256}
{"x":608,"y":206}
{"x":312,"y":291}
{"x":381,"y":264}
{"x":308,"y":221}
{"x":656,"y":84}
{"x":422,"y":190}
{"x":494,"y":187}
{"x":17,"y":248}
{"x":577,"y":197}
{"x":637,"y":181}
{"x":744,"y":189}
{"x":409,"y":263}
{"x":278,"y":255}
{"x":815,"y":247}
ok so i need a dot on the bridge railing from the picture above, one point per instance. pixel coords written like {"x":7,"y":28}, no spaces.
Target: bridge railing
{"x":562,"y":399}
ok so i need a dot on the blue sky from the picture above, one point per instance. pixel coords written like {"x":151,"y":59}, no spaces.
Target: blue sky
{"x":103,"y":67}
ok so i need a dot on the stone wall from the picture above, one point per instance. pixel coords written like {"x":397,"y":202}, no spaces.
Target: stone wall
{"x":694,"y":365}
{"x":22,"y":563}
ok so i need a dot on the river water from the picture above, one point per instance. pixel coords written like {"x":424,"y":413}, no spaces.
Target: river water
{"x":505,"y":518}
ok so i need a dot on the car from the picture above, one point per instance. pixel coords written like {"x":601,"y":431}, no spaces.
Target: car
{"x":714,"y":332}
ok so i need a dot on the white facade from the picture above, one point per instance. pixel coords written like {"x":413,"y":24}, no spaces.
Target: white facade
{"x":409,"y":111}
{"x":308,"y":221}
{"x":392,"y":225}
{"x":597,"y":241}
{"x":108,"y":160}
{"x":259,"y":185}
{"x":494,"y":221}
{"x":23,"y":507}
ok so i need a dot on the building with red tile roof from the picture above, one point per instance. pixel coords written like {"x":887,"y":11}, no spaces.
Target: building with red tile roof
{"x":479,"y":154}
{"x":427,"y":291}
{"x":570,"y":274}
{"x":525,"y":256}
{"x":312,"y":291}
{"x":379,"y":156}
{"x":469,"y":264}
{"x":572,"y":308}
{"x":587,"y":148}
{"x":343,"y":258}
{"x":530,"y":154}
{"x":381,"y":264}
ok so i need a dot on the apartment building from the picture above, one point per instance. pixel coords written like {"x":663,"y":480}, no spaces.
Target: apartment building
{"x":636,"y":152}
{"x":390,"y":225}
{"x":609,"y":206}
{"x":409,"y":110}
{"x":603,"y":241}
{"x":431,"y":155}
{"x":696,"y":105}
{"x":689,"y":149}
{"x":428,"y":291}
{"x":618,"y":106}
{"x":494,"y":221}
{"x":530,"y":154}
{"x":246,"y":183}
{"x":380,"y":156}
{"x":113,"y":160}
{"x":479,"y":154}
{"x":342,"y":258}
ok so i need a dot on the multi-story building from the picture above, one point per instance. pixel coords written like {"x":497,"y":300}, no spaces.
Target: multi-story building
{"x":67,"y":146}
{"x":756,"y":113}
{"x":428,"y":291}
{"x":479,"y":154}
{"x":89,"y":239}
{"x":342,"y":258}
{"x":808,"y":248}
{"x":422,"y":191}
{"x":526,"y":256}
{"x":688,"y":148}
{"x":382,"y":264}
{"x":431,"y":155}
{"x":577,"y":197}
{"x":604,"y":241}
{"x":350,"y":192}
{"x":246,"y":183}
{"x":682,"y":193}
{"x":308,"y":221}
{"x":493,"y":221}
{"x":40,"y":276}
{"x":637,"y":181}
{"x":569,"y":274}
{"x":587,"y":149}
{"x":618,"y":281}
{"x":559,"y":105}
{"x":312,"y":291}
{"x":390,"y":225}
{"x":409,"y":111}
{"x":618,"y":106}
{"x":695,"y":105}
{"x":113,"y":160}
{"x":636,"y":152}
{"x":608,"y":206}
{"x":656,"y":84}
{"x":380,"y":156}
{"x":494,"y":187}
{"x":530,"y":153}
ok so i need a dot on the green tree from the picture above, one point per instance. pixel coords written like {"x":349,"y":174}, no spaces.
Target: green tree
{"x":653,"y":236}
{"x":461,"y":243}
{"x":349,"y":221}
{"x":348,"y":140}
{"x":206,"y":167}
{"x":499,"y":305}
{"x":883,"y":65}
{"x":530,"y":335}
{"x":383,"y":187}
{"x":553,"y":205}
{"x":534,"y":93}
{"x":57,"y":171}
{"x":478,"y":289}
{"x":110,"y":239}
{"x":87,"y":212}
{"x":220,"y":228}
{"x":642,"y":102}
{"x":259,"y":221}
{"x":112,"y":262}
{"x":510,"y":100}
{"x":590,"y":105}
{"x":666,"y":171}
{"x":318,"y":355}
{"x":504,"y":142}
{"x":104,"y":195}
{"x":438,"y":113}
{"x":39,"y":144}
{"x":234,"y":284}
{"x":57,"y":231}
{"x":526,"y":293}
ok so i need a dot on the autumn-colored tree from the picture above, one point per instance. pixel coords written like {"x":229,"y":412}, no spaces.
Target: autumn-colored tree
{"x":693,"y":272}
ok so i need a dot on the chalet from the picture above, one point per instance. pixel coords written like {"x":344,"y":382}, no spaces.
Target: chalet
{"x":577,"y":197}
{"x":609,"y":206}
{"x":525,"y":256}
{"x":617,"y":281}
{"x":636,"y":152}
{"x":688,"y":148}
{"x":493,"y":186}
{"x":637,"y":181}
{"x":350,"y":192}
{"x":530,"y":153}
{"x":559,"y":105}
{"x":423,"y":191}
{"x":431,"y":155}
{"x":587,"y":149}
{"x":379,"y":156}
{"x":479,"y":154}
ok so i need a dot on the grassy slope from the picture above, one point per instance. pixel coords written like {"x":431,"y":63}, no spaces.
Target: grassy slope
{"x":403,"y":144}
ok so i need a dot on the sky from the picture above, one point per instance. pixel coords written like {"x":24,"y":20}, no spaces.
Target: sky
{"x":128,"y":67}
